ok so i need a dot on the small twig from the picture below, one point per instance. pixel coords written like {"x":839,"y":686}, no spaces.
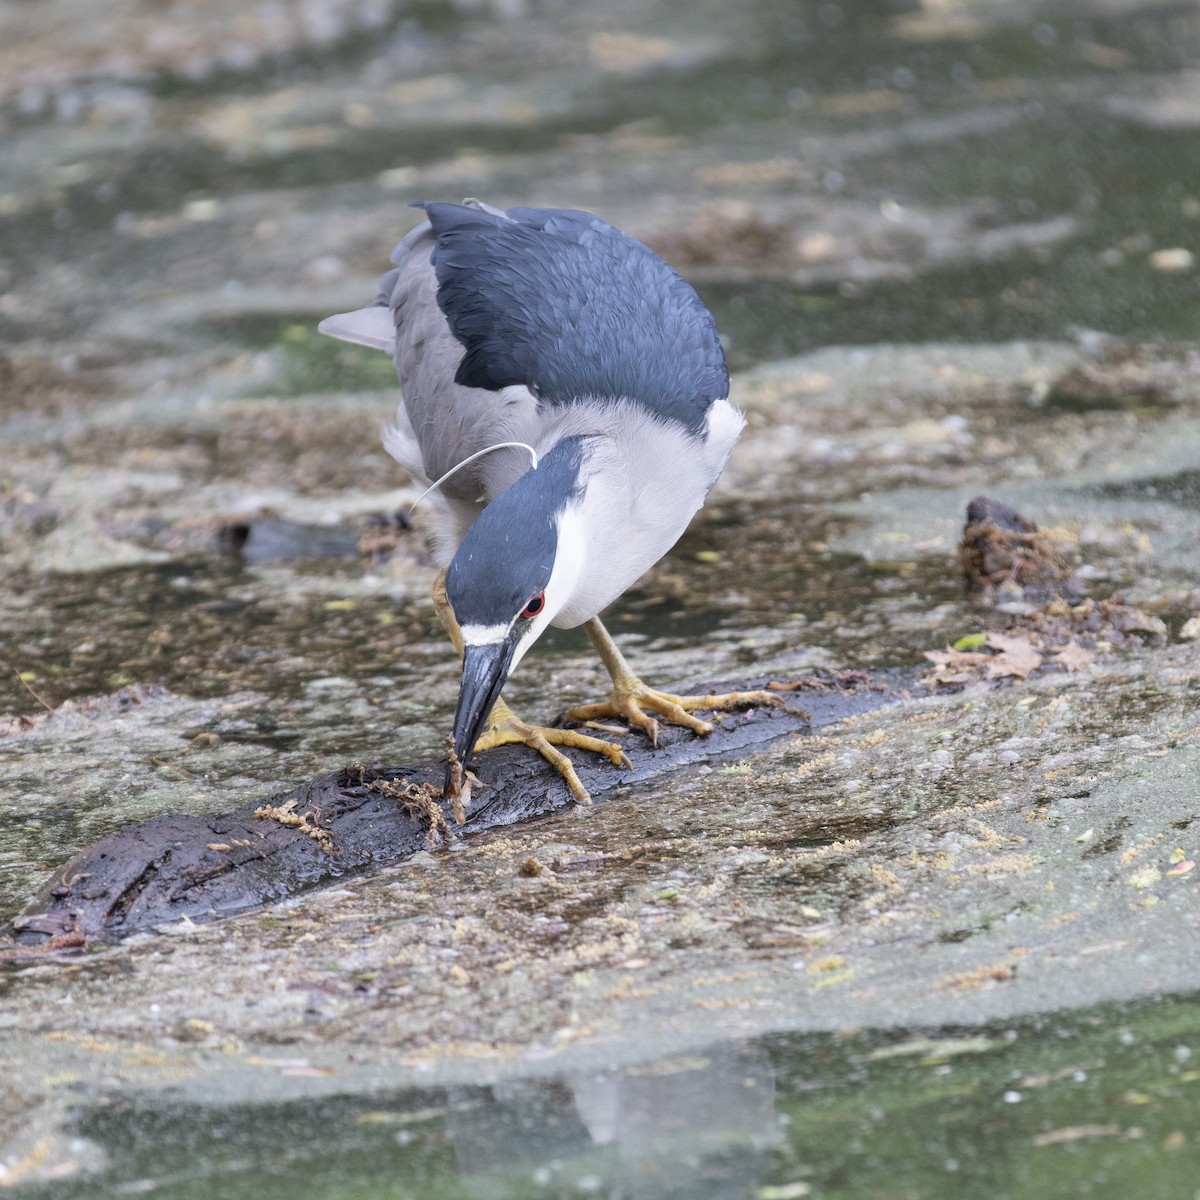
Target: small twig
{"x":162,"y":762}
{"x":25,"y":684}
{"x":615,"y":730}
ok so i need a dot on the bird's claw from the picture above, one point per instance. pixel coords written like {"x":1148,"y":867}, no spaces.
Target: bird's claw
{"x":505,"y":728}
{"x":630,"y":698}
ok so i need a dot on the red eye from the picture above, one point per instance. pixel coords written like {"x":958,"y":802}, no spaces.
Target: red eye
{"x":534,"y":607}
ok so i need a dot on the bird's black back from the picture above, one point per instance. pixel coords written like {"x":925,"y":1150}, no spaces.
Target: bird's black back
{"x":564,"y":304}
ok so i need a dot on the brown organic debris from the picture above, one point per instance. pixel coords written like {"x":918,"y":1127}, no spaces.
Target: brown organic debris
{"x":460,"y":783}
{"x":966,"y":981}
{"x":1005,"y":556}
{"x":286,"y":814}
{"x":419,"y":800}
{"x":1125,"y":376}
{"x":1096,"y":621}
{"x":731,"y":236}
{"x":43,"y":952}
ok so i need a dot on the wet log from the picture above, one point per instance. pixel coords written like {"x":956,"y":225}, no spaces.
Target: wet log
{"x":343,"y":823}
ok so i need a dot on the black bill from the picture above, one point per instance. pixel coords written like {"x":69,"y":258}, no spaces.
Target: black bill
{"x":485,"y":668}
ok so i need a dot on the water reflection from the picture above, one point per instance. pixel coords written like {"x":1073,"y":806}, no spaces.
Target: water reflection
{"x":688,"y":1126}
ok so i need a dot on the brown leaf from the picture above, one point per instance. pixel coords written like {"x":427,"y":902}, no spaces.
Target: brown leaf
{"x":956,"y":666}
{"x":1017,"y":656}
{"x":1073,"y":656}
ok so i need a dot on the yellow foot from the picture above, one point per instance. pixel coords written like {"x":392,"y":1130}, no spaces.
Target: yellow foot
{"x":504,"y":728}
{"x":630,"y":698}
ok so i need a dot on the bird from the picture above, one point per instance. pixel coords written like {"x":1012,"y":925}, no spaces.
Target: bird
{"x":566,"y":394}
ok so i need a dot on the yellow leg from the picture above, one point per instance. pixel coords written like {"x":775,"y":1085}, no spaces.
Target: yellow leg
{"x":504,"y":727}
{"x":630,"y":697}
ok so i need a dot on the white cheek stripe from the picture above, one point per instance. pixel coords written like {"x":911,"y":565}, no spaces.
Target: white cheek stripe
{"x":484,"y":635}
{"x":568,"y":563}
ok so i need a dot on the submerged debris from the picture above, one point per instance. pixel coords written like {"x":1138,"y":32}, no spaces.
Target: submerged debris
{"x":1062,"y":635}
{"x":823,"y":681}
{"x":382,"y":534}
{"x":1125,"y":376}
{"x":273,"y":539}
{"x":87,"y":708}
{"x":1005,"y":556}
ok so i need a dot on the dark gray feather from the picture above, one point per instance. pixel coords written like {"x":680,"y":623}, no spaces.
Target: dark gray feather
{"x":564,"y":304}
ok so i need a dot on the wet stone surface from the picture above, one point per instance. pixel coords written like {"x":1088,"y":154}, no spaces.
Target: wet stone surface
{"x":951,"y":252}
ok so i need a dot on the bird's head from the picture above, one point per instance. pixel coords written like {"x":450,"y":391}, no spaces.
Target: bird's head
{"x":515,"y":571}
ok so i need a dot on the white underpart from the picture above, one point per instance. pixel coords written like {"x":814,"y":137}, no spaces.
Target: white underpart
{"x":725,"y":425}
{"x":644,"y":483}
{"x":643,"y":480}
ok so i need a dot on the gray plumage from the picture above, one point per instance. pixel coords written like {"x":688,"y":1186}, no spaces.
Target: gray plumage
{"x":539,"y":325}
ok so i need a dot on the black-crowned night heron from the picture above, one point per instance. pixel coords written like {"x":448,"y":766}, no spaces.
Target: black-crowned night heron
{"x":588,"y":378}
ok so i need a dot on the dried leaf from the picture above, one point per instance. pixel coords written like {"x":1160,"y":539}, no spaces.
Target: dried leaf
{"x":953,"y":666}
{"x":1017,"y":656}
{"x":1073,"y":657}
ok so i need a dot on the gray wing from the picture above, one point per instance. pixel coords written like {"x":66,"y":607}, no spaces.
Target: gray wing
{"x":442,"y":421}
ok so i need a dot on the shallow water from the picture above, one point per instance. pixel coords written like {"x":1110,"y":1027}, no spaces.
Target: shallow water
{"x":1098,"y":1102}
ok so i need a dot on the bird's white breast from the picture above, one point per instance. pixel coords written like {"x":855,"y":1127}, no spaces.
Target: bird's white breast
{"x":644,"y":481}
